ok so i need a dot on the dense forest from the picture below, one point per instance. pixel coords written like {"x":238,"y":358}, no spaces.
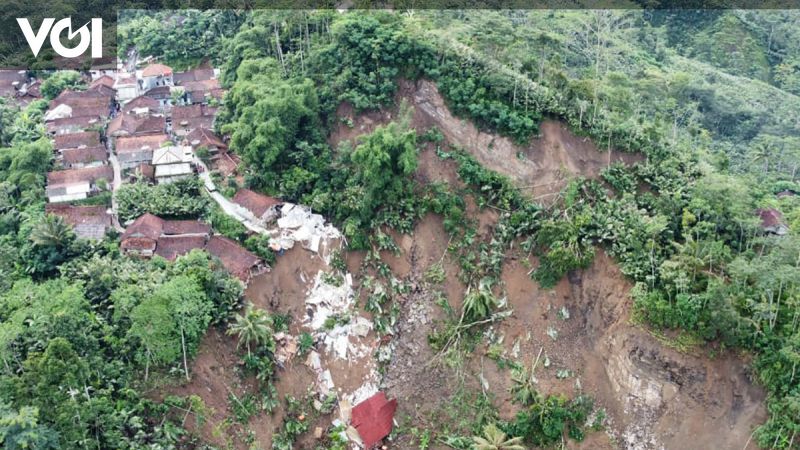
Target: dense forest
{"x":709,"y":98}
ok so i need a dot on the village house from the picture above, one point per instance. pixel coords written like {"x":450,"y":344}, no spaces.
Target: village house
{"x":134,"y":150}
{"x":262,"y":207}
{"x":196,"y":92}
{"x":148,"y":232}
{"x":200,"y":84}
{"x":772,"y":221}
{"x":236,"y":259}
{"x":29,"y":92}
{"x":69,"y":125}
{"x":142,"y":105}
{"x":77,"y":184}
{"x":92,"y":98}
{"x":11,"y":81}
{"x":127,"y":88}
{"x":161,"y":94}
{"x":155,"y":75}
{"x":201,"y":73}
{"x":78,"y":158}
{"x":88,"y":222}
{"x":207,"y":139}
{"x":186,"y":119}
{"x":76,"y":140}
{"x":172,"y":163}
{"x":125,"y":125}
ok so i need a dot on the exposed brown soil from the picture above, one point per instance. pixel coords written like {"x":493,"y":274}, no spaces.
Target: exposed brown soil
{"x":655,"y":397}
{"x":541,"y":168}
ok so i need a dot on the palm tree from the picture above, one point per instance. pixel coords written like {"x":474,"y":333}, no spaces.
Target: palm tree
{"x":52,"y":231}
{"x":494,"y":439}
{"x":254,"y":327}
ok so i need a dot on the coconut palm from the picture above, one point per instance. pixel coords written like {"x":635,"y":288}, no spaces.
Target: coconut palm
{"x":494,"y":439}
{"x":52,"y":231}
{"x":254,"y":327}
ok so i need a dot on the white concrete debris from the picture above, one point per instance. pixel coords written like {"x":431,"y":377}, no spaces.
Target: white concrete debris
{"x":298,"y":224}
{"x":327,"y":299}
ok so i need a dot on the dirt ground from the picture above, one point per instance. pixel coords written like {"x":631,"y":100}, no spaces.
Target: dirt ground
{"x":654,"y":396}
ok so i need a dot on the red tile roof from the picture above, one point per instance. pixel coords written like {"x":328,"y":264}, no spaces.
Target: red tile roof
{"x":104,"y":80}
{"x":73,"y":123}
{"x":155,"y":70}
{"x":86,"y":174}
{"x":770,"y":218}
{"x":75,"y":215}
{"x":84,"y":155}
{"x":126,"y":124}
{"x":192,"y":111}
{"x":256,"y":203}
{"x":75,"y":140}
{"x":373,"y":418}
{"x":235,"y":258}
{"x":198,"y":74}
{"x":89,"y":222}
{"x":141,"y":102}
{"x":171,"y":247}
{"x":147,"y":225}
{"x":174,"y":227}
{"x":203,"y":137}
{"x":136,"y":143}
{"x":138,"y":243}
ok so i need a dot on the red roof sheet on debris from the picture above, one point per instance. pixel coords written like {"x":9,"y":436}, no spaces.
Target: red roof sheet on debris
{"x":373,"y":418}
{"x":254,"y":202}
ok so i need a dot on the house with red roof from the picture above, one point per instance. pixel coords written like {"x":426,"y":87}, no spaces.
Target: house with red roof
{"x":88,"y":222}
{"x":772,"y":221}
{"x":155,"y":75}
{"x":76,"y":140}
{"x":262,"y":207}
{"x":186,"y":119}
{"x":237,"y":260}
{"x":205,"y":138}
{"x":77,"y":158}
{"x":145,"y":234}
{"x":151,"y":235}
{"x":77,"y":184}
{"x":134,"y":150}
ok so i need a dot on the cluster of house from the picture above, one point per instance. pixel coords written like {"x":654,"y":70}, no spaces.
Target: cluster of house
{"x":18,"y":86}
{"x":121,"y":128}
{"x":151,"y":235}
{"x":150,"y":124}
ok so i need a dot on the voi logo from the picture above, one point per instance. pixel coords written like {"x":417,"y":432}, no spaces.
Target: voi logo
{"x":93,"y":37}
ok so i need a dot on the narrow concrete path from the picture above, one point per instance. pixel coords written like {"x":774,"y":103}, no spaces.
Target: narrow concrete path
{"x":235,"y":211}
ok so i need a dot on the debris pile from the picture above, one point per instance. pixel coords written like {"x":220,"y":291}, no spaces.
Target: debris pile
{"x":298,"y":224}
{"x":285,"y":347}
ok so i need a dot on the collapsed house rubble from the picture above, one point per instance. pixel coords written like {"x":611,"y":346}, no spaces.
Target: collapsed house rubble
{"x":298,"y":224}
